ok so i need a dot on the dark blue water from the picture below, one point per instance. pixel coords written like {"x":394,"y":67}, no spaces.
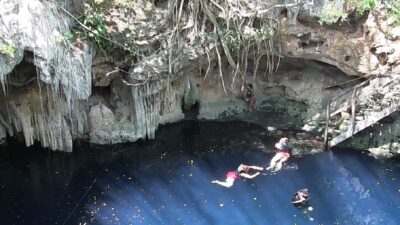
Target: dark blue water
{"x":167,"y":181}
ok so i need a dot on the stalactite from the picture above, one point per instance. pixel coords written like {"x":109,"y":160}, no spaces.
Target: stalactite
{"x":66,"y":69}
{"x":147,"y":99}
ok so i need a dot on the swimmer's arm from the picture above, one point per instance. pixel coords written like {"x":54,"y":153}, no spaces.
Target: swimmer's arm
{"x":256,"y":168}
{"x":248,"y":176}
{"x":299,"y":200}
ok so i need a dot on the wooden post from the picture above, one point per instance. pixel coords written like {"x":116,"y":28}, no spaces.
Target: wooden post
{"x":328,"y":117}
{"x":353,"y":110}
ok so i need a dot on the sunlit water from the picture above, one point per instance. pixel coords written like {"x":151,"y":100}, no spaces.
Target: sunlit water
{"x":167,"y":181}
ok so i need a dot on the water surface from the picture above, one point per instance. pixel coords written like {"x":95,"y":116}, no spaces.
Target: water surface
{"x":167,"y":181}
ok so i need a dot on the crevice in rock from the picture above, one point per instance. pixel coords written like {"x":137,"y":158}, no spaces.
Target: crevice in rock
{"x":104,"y":94}
{"x":25,"y":72}
{"x":209,"y":26}
{"x":383,"y":58}
{"x":192,"y":112}
{"x":307,"y":20}
{"x":353,"y":19}
{"x":284,"y":12}
{"x":310,"y":44}
{"x":257,"y":23}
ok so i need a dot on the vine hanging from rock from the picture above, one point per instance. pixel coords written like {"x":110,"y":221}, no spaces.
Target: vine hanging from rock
{"x":229,"y":25}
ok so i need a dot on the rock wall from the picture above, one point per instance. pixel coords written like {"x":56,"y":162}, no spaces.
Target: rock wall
{"x":381,"y":140}
{"x":64,"y":71}
{"x":163,"y":63}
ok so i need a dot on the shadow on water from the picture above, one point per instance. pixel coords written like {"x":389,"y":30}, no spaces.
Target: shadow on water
{"x":167,"y":181}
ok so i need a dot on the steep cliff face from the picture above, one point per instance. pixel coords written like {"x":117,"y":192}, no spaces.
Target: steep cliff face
{"x":49,"y":110}
{"x":168,"y":56}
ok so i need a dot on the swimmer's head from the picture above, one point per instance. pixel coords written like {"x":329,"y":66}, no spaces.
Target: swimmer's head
{"x":243,"y":167}
{"x":284,"y":140}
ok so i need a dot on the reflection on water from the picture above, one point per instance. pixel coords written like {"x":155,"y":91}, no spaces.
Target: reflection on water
{"x":167,"y":181}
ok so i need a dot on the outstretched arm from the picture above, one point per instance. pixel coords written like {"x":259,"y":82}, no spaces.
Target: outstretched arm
{"x":256,"y":168}
{"x":300,"y":200}
{"x":248,"y":176}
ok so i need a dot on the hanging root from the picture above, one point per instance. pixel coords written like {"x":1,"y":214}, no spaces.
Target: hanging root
{"x":220,"y":68}
{"x":233,"y":30}
{"x":209,"y":64}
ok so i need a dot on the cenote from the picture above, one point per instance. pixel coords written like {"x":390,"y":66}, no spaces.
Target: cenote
{"x":167,"y":181}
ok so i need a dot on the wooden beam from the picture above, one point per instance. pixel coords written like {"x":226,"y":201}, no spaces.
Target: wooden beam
{"x":328,"y":117}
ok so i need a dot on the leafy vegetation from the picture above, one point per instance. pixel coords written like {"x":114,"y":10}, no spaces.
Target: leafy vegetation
{"x":362,"y":6}
{"x":67,"y":37}
{"x":237,"y":39}
{"x":232,"y":38}
{"x":118,"y":2}
{"x":331,"y":14}
{"x":8,"y":50}
{"x":264,"y":33}
{"x":394,"y":12}
{"x":95,"y":29}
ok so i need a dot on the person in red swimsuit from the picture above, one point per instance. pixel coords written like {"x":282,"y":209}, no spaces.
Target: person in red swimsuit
{"x":242,"y":171}
{"x":281,"y":156}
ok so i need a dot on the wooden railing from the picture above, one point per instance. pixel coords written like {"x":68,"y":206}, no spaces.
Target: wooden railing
{"x":353,"y":100}
{"x":348,"y":99}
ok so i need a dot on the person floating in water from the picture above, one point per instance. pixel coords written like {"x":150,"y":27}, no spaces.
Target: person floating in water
{"x":241,"y":171}
{"x":281,"y":156}
{"x":300,"y":198}
{"x":250,"y":98}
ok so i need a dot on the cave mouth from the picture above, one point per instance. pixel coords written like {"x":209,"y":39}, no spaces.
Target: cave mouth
{"x":293,"y":67}
{"x":301,"y":64}
{"x":191,"y":112}
{"x":25,"y":72}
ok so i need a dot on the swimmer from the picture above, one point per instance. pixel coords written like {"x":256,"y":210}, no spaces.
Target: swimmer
{"x":301,"y":198}
{"x":242,"y":171}
{"x":281,"y":156}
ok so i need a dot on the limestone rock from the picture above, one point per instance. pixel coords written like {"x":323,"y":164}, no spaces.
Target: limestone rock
{"x":308,"y":128}
{"x":3,"y":134}
{"x":101,"y":119}
{"x":102,"y":70}
{"x":395,"y":32}
{"x":191,"y":93}
{"x":345,"y":115}
{"x":38,"y":27}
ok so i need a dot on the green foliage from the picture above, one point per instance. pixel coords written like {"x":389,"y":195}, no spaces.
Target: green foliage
{"x":94,"y":20}
{"x":206,"y":38}
{"x":362,"y":6}
{"x":67,"y":37}
{"x":237,"y":39}
{"x":366,"y":5}
{"x":331,"y":14}
{"x":115,"y":2}
{"x":8,"y":50}
{"x":394,"y":12}
{"x":264,"y":33}
{"x":231,"y":37}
